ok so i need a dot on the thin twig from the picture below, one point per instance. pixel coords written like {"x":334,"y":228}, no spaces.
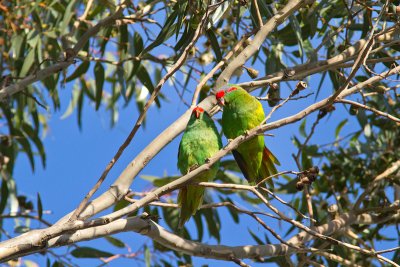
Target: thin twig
{"x":387,"y":250}
{"x":21,"y":215}
{"x":259,"y":18}
{"x":376,"y":111}
{"x":280,"y":99}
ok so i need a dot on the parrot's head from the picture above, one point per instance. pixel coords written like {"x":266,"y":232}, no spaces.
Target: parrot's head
{"x":221,"y":95}
{"x":197,"y":111}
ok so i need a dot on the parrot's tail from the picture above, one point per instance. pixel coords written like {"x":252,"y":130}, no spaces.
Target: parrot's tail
{"x":268,"y":164}
{"x":190,"y":199}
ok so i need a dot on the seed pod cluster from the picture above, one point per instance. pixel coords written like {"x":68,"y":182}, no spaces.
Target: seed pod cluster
{"x":307,"y":177}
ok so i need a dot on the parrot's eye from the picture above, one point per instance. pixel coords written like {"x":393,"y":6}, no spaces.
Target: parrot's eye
{"x":231,"y":89}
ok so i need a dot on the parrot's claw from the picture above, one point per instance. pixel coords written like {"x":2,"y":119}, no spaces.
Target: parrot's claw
{"x":195,"y":166}
{"x":207,"y":160}
{"x":229,"y":140}
{"x":246,"y":133}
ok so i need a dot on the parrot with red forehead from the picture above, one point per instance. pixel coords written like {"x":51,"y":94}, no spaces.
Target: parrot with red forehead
{"x":200,"y":141}
{"x":243,"y":112}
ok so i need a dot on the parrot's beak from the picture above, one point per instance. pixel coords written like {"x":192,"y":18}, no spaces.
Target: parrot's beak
{"x":198,"y":114}
{"x":221,"y":101}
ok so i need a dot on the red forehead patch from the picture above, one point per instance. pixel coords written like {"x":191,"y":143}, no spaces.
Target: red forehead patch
{"x":198,"y":109}
{"x":220,"y":94}
{"x":232,"y":89}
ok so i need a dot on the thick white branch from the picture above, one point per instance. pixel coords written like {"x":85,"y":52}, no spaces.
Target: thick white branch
{"x":159,"y":234}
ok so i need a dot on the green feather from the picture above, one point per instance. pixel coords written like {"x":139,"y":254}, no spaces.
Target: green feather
{"x":200,"y":141}
{"x":243,"y":112}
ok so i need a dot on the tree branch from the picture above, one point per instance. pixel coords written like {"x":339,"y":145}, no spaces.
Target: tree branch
{"x":143,"y":225}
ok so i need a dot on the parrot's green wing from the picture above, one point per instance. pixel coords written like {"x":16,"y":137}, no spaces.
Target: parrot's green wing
{"x":243,"y":112}
{"x":200,"y":141}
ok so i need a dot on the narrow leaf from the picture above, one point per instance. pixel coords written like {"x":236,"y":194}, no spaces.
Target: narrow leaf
{"x":147,"y":256}
{"x":39,"y":206}
{"x":214,"y":44}
{"x":4,"y":196}
{"x":88,"y":252}
{"x":166,"y":32}
{"x":79,"y":71}
{"x":339,"y":127}
{"x":115,"y":241}
{"x":99,"y":76}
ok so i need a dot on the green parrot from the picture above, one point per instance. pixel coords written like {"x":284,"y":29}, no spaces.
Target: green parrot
{"x":243,"y":112}
{"x":200,"y":141}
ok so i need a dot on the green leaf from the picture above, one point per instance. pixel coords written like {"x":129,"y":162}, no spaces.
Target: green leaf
{"x":99,"y":76}
{"x":121,"y":80}
{"x":4,"y":196}
{"x":182,"y":11}
{"x":88,"y":252}
{"x":80,"y":108}
{"x":39,"y":206}
{"x":214,"y":44}
{"x":219,"y":12}
{"x":145,"y":79}
{"x":255,"y":237}
{"x":36,"y":19}
{"x":339,"y":127}
{"x":72,"y":103}
{"x":123,"y":41}
{"x":69,"y":12}
{"x":199,"y":226}
{"x":26,"y":147}
{"x":302,"y":128}
{"x":231,"y":210}
{"x":213,"y":223}
{"x":21,"y":229}
{"x":147,"y":256}
{"x":18,"y":45}
{"x":166,"y":32}
{"x":187,"y":35}
{"x":33,"y":135}
{"x":297,"y":30}
{"x":121,"y":204}
{"x":57,"y":264}
{"x":320,"y":84}
{"x":79,"y":71}
{"x":115,"y":241}
{"x":137,"y":44}
{"x":28,"y":62}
